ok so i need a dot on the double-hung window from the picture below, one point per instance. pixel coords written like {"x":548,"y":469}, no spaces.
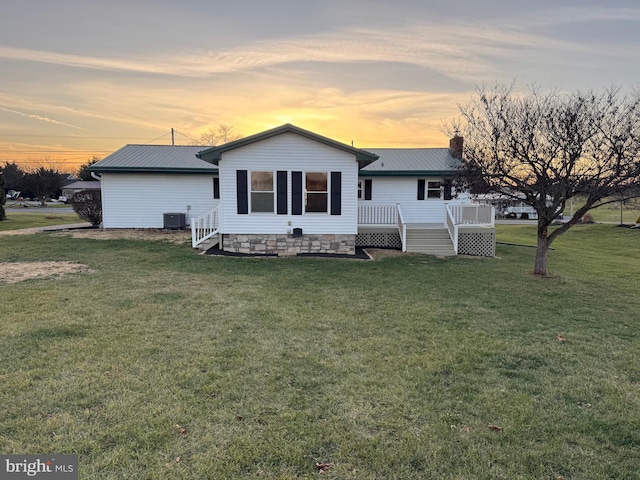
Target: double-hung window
{"x":317,"y":192}
{"x":433,"y":189}
{"x":262,"y":192}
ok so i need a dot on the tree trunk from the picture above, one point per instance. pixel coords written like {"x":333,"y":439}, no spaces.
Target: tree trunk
{"x":540,"y":267}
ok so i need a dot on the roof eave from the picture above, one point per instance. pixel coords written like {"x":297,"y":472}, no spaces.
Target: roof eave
{"x":151,"y":170}
{"x":405,"y":173}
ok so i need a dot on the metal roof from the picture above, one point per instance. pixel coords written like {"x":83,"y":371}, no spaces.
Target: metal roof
{"x":84,"y":185}
{"x":182,"y":159}
{"x":155,"y":158}
{"x":411,"y":161}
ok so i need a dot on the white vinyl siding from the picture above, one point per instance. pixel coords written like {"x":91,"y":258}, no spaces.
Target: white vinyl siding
{"x":402,"y":190}
{"x":132,"y":200}
{"x":291,"y":153}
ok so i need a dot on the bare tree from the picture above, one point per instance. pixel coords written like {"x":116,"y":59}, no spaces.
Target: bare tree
{"x":546,"y":148}
{"x":222,"y":134}
{"x":43,"y":182}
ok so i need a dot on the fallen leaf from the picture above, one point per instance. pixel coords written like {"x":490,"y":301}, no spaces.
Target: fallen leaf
{"x":239,"y":418}
{"x":465,"y":429}
{"x":323,"y":467}
{"x":496,"y":428}
{"x":562,"y":338}
{"x":180,"y":429}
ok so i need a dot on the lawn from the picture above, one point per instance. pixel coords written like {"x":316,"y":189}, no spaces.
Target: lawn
{"x":36,"y":218}
{"x":611,"y":212}
{"x":160,"y":363}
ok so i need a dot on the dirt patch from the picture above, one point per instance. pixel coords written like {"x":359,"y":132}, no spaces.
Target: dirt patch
{"x":380,"y":253}
{"x":156,"y":234}
{"x":14,"y":272}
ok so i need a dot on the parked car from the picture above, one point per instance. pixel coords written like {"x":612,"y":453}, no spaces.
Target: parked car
{"x":521,"y":211}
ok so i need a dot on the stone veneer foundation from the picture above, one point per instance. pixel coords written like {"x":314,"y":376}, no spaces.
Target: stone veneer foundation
{"x":284,"y":244}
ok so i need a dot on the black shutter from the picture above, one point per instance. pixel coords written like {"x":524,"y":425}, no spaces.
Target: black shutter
{"x":421,"y":183}
{"x":281,"y":185}
{"x":367,"y":189}
{"x":216,"y":187}
{"x":241,"y":192}
{"x":447,"y":190}
{"x":296,"y":193}
{"x":336,"y":193}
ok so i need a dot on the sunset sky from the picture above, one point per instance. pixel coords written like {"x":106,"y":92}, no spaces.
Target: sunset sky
{"x":84,"y":77}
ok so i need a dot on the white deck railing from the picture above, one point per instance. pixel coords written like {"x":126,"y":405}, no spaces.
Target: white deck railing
{"x":204,"y":227}
{"x":480,"y":215}
{"x":472,"y":214}
{"x":377,"y":214}
{"x":452,"y":228}
{"x":402,"y":227}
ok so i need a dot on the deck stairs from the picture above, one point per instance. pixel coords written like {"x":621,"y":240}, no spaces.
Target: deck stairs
{"x":429,"y":239}
{"x":209,"y":243}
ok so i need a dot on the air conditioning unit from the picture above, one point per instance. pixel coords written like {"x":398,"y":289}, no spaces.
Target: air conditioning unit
{"x":175,"y":221}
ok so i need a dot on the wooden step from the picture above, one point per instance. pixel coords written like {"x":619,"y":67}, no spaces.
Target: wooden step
{"x":429,"y":241}
{"x":209,"y":243}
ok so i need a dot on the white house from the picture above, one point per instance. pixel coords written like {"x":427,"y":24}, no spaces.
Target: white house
{"x":71,"y":189}
{"x":288,"y":190}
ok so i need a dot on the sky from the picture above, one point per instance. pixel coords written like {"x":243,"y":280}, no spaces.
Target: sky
{"x":82,"y":78}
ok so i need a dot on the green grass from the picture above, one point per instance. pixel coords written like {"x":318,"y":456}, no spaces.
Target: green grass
{"x":16,"y":219}
{"x":391,"y":369}
{"x":611,"y":212}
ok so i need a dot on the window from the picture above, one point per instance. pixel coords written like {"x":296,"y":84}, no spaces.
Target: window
{"x":317,"y":192}
{"x":262,"y":192}
{"x":433,"y":189}
{"x":216,"y":188}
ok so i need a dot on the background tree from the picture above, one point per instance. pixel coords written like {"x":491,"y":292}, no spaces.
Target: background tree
{"x":546,"y":148}
{"x":221,"y":135}
{"x":83,"y":172}
{"x":13,"y":176}
{"x":43,"y":182}
{"x":3,"y":196}
{"x":88,"y":205}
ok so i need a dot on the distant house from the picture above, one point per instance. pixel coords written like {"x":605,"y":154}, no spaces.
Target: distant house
{"x":75,"y":187}
{"x":288,"y":190}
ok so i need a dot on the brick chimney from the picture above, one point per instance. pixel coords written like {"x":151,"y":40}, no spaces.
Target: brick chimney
{"x":455,"y":146}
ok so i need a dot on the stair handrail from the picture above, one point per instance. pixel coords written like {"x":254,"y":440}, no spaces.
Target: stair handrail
{"x":204,"y":227}
{"x":452,"y":227}
{"x":402,"y":227}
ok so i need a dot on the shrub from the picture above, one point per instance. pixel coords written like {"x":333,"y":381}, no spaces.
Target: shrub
{"x":587,"y":218}
{"x":3,"y":196}
{"x":88,"y":205}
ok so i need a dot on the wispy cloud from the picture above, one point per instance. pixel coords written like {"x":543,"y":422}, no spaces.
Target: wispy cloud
{"x":461,"y":51}
{"x":41,"y":118}
{"x":573,"y":15}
